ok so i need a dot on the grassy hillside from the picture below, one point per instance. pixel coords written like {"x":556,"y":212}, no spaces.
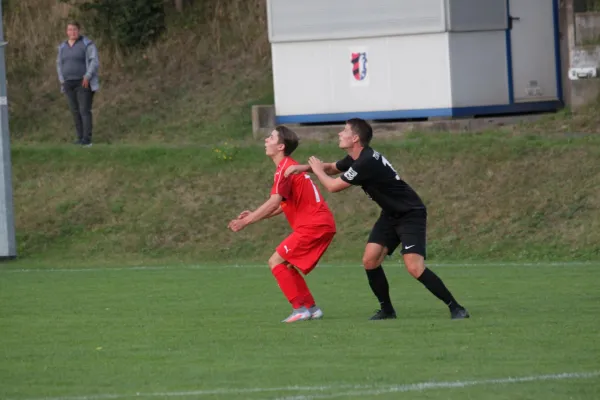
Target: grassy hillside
{"x":154,"y":189}
{"x":490,"y":197}
{"x":196,"y":84}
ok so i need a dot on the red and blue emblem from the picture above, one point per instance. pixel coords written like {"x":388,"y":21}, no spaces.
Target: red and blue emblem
{"x":359,"y":66}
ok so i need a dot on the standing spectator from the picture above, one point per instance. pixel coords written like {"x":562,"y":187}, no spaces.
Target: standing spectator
{"x":77,"y":67}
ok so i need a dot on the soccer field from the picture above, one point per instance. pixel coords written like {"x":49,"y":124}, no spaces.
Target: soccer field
{"x":214,"y":332}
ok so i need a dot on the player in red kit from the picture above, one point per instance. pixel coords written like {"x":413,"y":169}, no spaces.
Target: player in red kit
{"x":309,"y":217}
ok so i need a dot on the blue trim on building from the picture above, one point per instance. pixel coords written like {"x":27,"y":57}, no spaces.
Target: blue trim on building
{"x":517,"y":108}
{"x":509,"y":66}
{"x":556,"y":15}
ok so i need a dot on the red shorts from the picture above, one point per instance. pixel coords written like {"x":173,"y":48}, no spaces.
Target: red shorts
{"x":304,"y":250}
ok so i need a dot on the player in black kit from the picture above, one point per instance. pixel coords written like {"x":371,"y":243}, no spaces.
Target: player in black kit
{"x":402,"y":221}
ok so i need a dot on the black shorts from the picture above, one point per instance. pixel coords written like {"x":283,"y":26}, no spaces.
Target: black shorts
{"x":409,"y":229}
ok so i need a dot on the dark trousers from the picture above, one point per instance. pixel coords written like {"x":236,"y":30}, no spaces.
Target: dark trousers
{"x":80,"y":102}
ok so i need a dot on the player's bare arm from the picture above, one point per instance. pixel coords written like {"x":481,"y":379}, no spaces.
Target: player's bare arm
{"x":278,"y":211}
{"x":329,"y":168}
{"x":264,"y":211}
{"x":332,"y":185}
{"x":245,"y":213}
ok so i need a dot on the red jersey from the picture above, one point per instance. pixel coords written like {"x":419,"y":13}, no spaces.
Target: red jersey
{"x":303,"y":205}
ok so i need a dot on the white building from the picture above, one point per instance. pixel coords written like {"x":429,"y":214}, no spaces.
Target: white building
{"x":398,"y":59}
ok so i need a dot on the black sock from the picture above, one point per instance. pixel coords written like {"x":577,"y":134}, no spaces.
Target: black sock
{"x":435,"y":285}
{"x":381,"y":289}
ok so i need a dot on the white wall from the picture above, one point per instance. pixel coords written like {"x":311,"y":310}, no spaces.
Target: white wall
{"x":422,"y":54}
{"x":302,"y":20}
{"x":404,"y":73}
{"x":478,"y":67}
{"x":476,"y":15}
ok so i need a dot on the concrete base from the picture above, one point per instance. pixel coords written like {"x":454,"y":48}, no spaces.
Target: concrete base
{"x":584,"y":92}
{"x":587,"y":27}
{"x":399,"y":129}
{"x":583,"y":34}
{"x":263,"y":120}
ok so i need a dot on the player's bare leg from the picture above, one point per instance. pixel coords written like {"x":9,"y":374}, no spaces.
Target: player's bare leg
{"x":415,"y":265}
{"x":286,"y":279}
{"x":372,"y":260}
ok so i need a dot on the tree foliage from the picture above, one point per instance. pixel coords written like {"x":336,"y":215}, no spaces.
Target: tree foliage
{"x":125,"y":23}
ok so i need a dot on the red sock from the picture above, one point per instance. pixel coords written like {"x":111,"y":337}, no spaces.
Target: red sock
{"x":287,"y":283}
{"x":309,"y":301}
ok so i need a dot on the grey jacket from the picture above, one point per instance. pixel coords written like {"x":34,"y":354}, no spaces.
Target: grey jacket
{"x":92,"y":63}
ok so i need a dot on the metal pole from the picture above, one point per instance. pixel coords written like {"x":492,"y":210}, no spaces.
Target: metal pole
{"x":8,"y":243}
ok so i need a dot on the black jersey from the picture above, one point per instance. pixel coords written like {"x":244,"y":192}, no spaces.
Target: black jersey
{"x":380,"y":181}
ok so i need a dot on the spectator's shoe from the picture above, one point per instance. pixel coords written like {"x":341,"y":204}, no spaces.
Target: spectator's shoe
{"x":459,"y":313}
{"x":86,"y":144}
{"x":382,"y":314}
{"x":300,"y":314}
{"x":315,"y":313}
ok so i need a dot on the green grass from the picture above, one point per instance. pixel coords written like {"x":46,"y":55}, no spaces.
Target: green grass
{"x":74,"y":332}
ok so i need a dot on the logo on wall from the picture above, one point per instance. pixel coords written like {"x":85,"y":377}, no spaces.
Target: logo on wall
{"x":359,"y":66}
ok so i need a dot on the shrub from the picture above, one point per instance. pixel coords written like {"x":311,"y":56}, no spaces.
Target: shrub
{"x":124,"y":23}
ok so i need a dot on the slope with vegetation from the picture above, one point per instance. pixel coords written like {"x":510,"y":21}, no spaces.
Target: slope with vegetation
{"x":194,"y":85}
{"x":174,"y":157}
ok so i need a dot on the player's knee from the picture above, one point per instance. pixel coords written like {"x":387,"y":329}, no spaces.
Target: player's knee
{"x":370,"y":262}
{"x":414,"y":270}
{"x":373,"y":255}
{"x":415,"y":264}
{"x":273,"y":262}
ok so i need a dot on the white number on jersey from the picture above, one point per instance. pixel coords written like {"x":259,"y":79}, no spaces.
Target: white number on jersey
{"x":388,"y":164}
{"x":317,"y":197}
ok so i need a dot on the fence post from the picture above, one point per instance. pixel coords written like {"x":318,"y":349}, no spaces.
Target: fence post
{"x":8,"y":246}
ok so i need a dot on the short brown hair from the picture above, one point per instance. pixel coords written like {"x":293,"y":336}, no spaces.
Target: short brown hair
{"x":289,"y":138}
{"x":361,"y":128}
{"x":74,"y":23}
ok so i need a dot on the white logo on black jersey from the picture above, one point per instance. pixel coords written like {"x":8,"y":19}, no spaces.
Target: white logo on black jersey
{"x":350,"y":174}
